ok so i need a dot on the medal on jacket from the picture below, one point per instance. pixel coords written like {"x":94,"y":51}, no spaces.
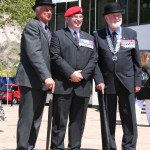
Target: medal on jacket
{"x":113,"y":49}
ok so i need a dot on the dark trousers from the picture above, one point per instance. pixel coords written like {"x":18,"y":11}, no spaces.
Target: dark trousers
{"x":75,"y":108}
{"x":126,"y":104}
{"x":30,"y":115}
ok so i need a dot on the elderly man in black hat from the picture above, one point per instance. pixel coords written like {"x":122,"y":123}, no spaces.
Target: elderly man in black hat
{"x":119,"y":62}
{"x":34,"y":74}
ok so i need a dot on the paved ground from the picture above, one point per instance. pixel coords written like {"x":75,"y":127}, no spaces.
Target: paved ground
{"x":91,"y":138}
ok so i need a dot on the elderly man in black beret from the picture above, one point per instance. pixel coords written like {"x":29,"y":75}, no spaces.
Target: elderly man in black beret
{"x":74,"y":59}
{"x":119,"y":62}
{"x":34,"y":74}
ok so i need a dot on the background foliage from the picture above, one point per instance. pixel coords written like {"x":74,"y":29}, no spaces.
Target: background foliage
{"x":18,"y":10}
{"x":15,"y":13}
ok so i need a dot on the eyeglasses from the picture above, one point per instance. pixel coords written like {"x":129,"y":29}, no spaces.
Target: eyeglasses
{"x":77,"y":17}
{"x":51,"y":10}
{"x":116,"y":15}
{"x":47,"y":9}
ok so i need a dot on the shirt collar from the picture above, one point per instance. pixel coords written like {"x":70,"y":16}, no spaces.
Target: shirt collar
{"x":72,"y":31}
{"x":118,"y":31}
{"x":43,"y":24}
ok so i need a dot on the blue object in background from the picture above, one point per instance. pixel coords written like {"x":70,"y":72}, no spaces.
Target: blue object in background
{"x":3,"y":80}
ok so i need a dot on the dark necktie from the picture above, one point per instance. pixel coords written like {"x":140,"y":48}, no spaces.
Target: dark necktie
{"x":48,"y":33}
{"x":76,"y":36}
{"x":114,"y":39}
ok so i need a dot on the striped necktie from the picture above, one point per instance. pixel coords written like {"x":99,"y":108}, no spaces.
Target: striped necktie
{"x":76,"y":36}
{"x":48,"y":33}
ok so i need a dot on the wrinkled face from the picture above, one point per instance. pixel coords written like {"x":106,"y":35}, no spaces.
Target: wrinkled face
{"x":44,"y":13}
{"x":114,"y":20}
{"x":74,"y":21}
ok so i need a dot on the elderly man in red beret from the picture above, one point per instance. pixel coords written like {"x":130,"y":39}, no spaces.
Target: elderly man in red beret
{"x":74,"y":59}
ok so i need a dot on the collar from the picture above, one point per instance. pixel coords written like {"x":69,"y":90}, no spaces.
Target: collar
{"x":118,"y":31}
{"x":43,"y":24}
{"x":72,"y":31}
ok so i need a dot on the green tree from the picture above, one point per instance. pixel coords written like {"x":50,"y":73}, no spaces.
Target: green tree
{"x":17,"y":13}
{"x":16,"y":10}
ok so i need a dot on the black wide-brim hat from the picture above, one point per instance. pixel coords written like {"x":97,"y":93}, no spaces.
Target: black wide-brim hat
{"x":43,"y":2}
{"x":112,"y":8}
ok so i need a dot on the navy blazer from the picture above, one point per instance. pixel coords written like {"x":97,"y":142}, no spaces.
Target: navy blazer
{"x":127,"y":68}
{"x":67,"y":56}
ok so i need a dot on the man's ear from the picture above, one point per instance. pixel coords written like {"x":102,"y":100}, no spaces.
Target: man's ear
{"x":66,"y":19}
{"x":105,"y":17}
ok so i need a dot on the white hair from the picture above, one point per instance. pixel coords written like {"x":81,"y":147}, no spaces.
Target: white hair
{"x":37,"y":9}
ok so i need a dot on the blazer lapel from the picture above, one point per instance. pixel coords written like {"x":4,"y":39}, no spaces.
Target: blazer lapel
{"x":42,"y":29}
{"x":69,"y":35}
{"x":82,"y":35}
{"x":124,"y":34}
{"x":104,"y":34}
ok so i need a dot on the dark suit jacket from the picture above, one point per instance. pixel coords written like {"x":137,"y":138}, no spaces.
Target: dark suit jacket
{"x":34,"y":65}
{"x":127,"y":68}
{"x":67,"y":56}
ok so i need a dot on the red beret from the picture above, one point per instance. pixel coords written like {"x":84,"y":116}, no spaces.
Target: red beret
{"x":73,"y":10}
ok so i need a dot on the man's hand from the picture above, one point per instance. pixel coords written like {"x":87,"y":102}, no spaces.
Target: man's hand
{"x":76,"y":76}
{"x":101,"y":87}
{"x":137,"y":89}
{"x":49,"y":82}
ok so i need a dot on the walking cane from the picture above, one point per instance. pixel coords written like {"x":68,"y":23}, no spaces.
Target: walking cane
{"x":49,"y":123}
{"x":104,"y":123}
